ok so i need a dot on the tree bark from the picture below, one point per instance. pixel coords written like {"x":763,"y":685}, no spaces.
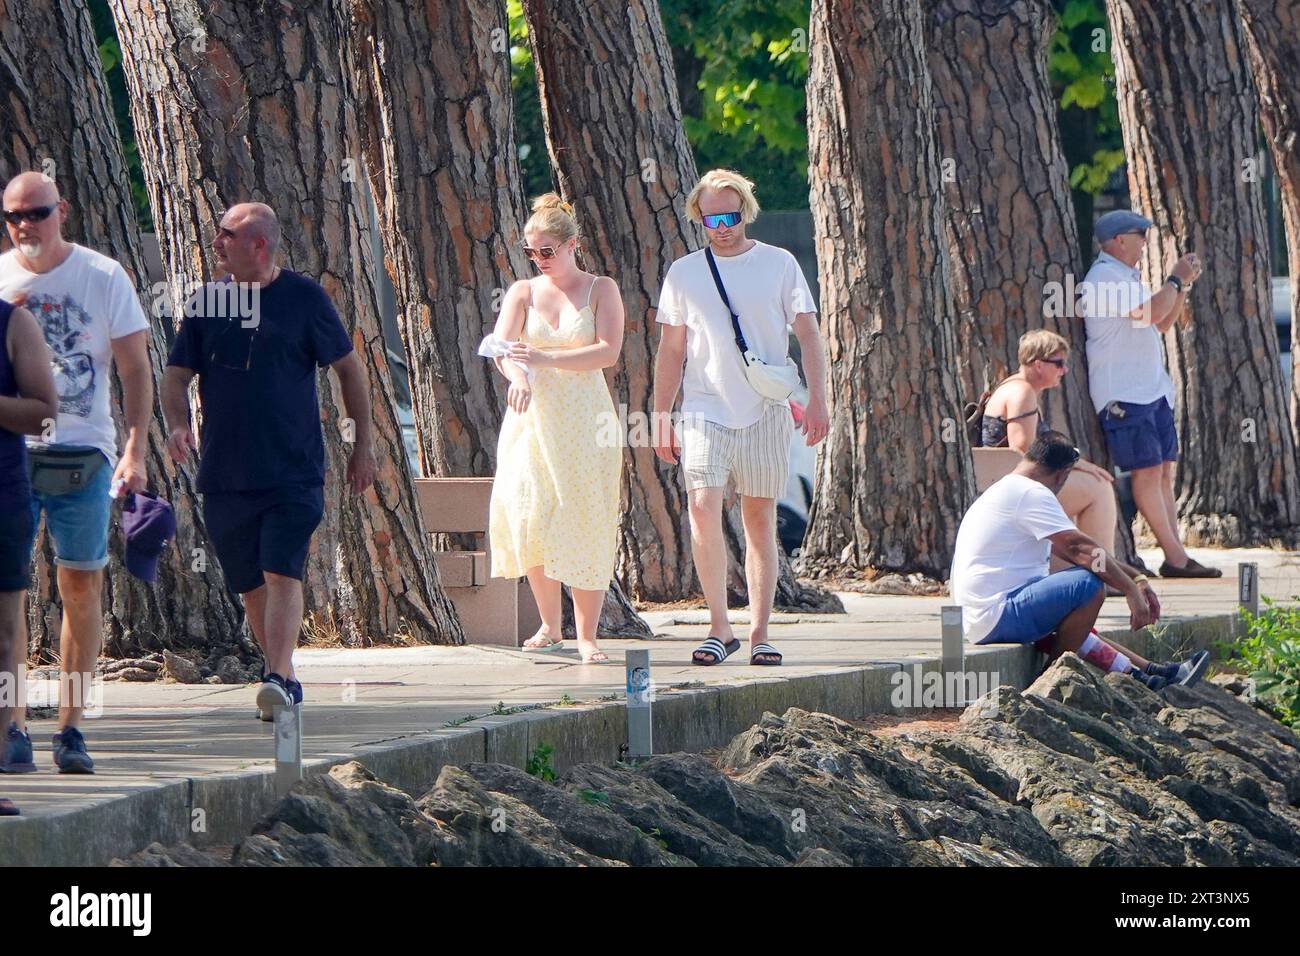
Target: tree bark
{"x":895,"y":476}
{"x":1187,"y":108}
{"x":437,"y":128}
{"x":1273,"y":39}
{"x":614,"y":133}
{"x":56,"y":118}
{"x":238,"y":102}
{"x":1011,"y":232}
{"x":1012,"y":227}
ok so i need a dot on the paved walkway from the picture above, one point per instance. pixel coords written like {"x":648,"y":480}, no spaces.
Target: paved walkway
{"x":155,"y":734}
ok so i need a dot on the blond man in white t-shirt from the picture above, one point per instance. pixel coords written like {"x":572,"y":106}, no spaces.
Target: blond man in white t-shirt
{"x":730,"y":432}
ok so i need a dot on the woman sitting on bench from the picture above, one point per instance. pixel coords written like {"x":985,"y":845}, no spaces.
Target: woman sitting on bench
{"x":1012,"y":419}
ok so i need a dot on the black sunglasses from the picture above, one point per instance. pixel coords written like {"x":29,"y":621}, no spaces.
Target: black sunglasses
{"x":37,"y":214}
{"x":1059,"y":363}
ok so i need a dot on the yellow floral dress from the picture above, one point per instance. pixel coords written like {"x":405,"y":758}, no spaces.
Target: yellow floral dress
{"x":555,"y":498}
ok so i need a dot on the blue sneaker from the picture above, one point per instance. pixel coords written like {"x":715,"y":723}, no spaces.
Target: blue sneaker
{"x":295,"y":690}
{"x":273,"y":693}
{"x":17,"y":754}
{"x":70,"y":752}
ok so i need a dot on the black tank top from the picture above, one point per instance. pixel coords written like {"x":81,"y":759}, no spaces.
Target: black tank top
{"x":14,"y":490}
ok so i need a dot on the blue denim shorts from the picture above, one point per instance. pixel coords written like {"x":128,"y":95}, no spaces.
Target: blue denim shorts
{"x":1036,"y":608}
{"x":78,"y":522}
{"x":1143,"y":437}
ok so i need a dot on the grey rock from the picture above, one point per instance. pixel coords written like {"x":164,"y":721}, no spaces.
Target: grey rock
{"x":181,"y":669}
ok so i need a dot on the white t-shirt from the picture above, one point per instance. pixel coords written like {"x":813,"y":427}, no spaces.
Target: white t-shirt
{"x":1002,"y":544}
{"x":1126,"y":357}
{"x":767,"y":289}
{"x":82,"y":304}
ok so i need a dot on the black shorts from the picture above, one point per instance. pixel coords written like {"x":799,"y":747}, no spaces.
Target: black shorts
{"x":257,"y":531}
{"x":15,"y":548}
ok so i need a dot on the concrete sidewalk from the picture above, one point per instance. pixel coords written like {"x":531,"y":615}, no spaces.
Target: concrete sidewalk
{"x":190,"y":762}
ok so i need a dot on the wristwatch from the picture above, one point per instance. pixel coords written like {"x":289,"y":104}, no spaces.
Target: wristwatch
{"x":1140,"y":579}
{"x":1177,"y":283}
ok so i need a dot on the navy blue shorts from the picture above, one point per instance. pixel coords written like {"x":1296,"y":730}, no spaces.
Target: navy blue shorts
{"x":16,"y":533}
{"x":257,"y":531}
{"x":1143,"y":437}
{"x":1036,"y":608}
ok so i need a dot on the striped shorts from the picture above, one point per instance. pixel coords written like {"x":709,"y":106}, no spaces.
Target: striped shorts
{"x":756,"y":456}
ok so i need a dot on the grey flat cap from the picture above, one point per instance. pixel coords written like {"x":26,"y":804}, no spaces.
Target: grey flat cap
{"x":1117,"y":222}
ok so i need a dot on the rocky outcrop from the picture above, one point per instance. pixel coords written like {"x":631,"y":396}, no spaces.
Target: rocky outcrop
{"x":1079,"y":769}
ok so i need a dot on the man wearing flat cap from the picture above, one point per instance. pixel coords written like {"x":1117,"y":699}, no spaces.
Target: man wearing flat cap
{"x":1131,"y":389}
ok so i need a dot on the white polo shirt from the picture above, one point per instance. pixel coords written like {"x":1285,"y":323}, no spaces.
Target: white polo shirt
{"x":1126,"y":357}
{"x":767,"y":289}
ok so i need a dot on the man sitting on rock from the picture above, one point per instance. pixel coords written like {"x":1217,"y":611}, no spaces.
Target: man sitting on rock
{"x":1000,"y":573}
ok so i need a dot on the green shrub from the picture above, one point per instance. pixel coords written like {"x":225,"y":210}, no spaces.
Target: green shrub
{"x":1269,"y":652}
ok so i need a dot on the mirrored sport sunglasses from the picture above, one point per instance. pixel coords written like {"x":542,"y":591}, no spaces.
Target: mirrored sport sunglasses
{"x":543,"y":252}
{"x":37,"y":214}
{"x":714,"y":220}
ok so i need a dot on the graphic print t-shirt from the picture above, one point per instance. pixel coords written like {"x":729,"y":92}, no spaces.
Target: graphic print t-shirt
{"x":81,"y":305}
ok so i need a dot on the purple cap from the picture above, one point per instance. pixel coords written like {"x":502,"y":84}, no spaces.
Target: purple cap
{"x":149,"y":525}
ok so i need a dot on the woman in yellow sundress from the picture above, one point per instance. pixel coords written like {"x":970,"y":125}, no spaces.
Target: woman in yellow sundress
{"x":555,"y":498}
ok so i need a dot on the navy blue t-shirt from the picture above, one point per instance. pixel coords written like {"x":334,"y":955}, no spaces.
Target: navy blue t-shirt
{"x":261,"y":425}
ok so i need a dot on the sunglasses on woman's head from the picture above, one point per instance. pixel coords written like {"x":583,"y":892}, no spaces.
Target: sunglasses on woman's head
{"x":714,"y":220}
{"x":38,"y":214}
{"x":544,"y":252}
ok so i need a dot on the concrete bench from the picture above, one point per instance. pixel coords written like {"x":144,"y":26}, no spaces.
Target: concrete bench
{"x":491,"y":610}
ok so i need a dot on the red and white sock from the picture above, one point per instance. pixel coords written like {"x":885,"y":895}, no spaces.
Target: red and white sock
{"x":1098,"y":652}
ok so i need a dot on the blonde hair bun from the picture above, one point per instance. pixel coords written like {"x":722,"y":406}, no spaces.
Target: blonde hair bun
{"x":553,"y":216}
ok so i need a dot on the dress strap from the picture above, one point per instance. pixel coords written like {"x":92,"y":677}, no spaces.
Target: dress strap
{"x":592,"y":290}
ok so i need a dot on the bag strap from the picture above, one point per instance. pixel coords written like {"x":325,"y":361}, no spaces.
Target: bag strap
{"x":735,"y":319}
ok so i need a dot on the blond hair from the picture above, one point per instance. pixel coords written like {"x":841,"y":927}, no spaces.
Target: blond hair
{"x":1040,"y":344}
{"x":724,"y":179}
{"x":553,"y":217}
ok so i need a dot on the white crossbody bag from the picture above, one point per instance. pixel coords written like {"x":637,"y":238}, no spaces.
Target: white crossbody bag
{"x":773,"y":382}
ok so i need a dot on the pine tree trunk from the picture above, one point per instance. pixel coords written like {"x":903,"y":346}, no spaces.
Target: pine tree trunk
{"x":437,"y":127}
{"x":1010,"y":229}
{"x":1187,"y":107}
{"x":614,"y":133}
{"x":896,"y":476}
{"x":56,"y":119}
{"x":1012,"y":235}
{"x":1273,"y":39}
{"x":239,"y":102}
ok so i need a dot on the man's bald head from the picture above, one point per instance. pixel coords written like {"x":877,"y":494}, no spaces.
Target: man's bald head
{"x":258,"y":219}
{"x":247,"y":240}
{"x":40,"y":242}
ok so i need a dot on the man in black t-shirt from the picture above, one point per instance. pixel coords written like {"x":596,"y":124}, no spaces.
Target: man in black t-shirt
{"x":255,"y":341}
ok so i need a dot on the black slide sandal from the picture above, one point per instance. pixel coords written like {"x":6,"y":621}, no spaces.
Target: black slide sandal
{"x":719,"y":651}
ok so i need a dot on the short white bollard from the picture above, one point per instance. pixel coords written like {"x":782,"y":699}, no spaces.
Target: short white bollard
{"x":1248,"y":586}
{"x":953,"y":657}
{"x":288,"y":747}
{"x":640,"y":694}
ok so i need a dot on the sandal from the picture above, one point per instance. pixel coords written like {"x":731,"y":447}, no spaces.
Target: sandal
{"x":528,"y":645}
{"x":764,"y":650}
{"x":717,"y":651}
